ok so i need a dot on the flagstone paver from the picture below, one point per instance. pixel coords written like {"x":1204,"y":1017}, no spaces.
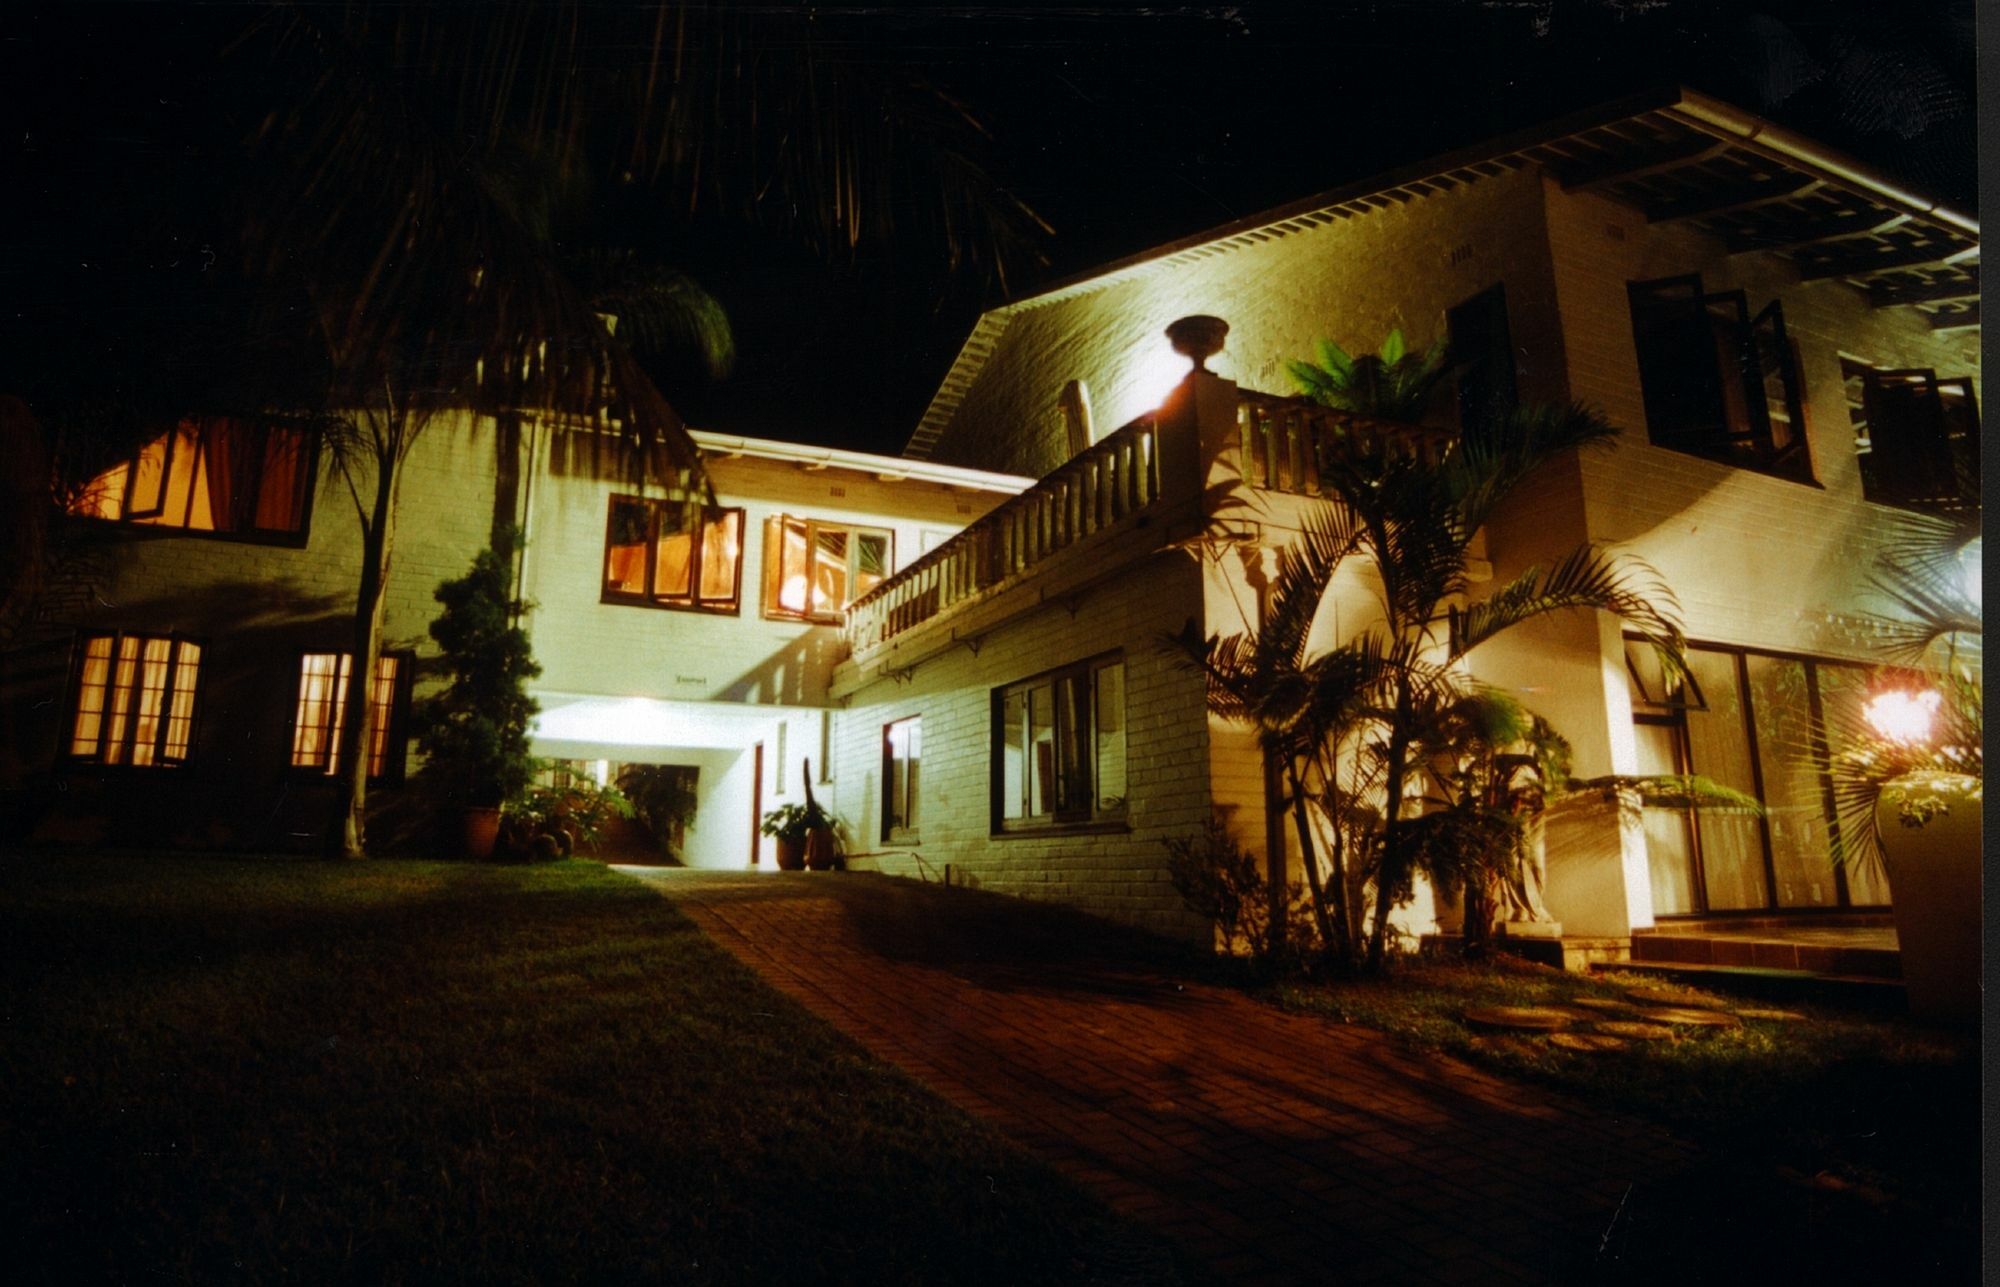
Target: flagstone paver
{"x":1272,"y":1147}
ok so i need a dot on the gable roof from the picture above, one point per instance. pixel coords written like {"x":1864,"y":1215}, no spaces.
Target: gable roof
{"x":1674,"y":154}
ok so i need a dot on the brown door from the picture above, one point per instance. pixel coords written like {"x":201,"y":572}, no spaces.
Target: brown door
{"x":756,"y":804}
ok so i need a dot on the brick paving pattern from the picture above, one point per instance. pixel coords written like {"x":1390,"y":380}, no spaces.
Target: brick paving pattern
{"x":1272,"y":1147}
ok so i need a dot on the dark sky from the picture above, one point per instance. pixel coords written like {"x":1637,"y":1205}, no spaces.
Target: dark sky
{"x":1122,"y":125}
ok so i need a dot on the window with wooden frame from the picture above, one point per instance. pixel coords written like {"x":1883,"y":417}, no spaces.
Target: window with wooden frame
{"x":1718,"y":381}
{"x":215,"y":477}
{"x":134,"y":700}
{"x":321,"y":713}
{"x":814,"y":569}
{"x":652,"y":558}
{"x":1059,"y":748}
{"x":1917,"y":436}
{"x":902,"y":753}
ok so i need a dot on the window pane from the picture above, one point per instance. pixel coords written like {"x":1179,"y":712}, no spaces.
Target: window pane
{"x":1041,"y":750}
{"x":1073,"y":735}
{"x":281,"y":490}
{"x":1013,"y":754}
{"x":900,"y":790}
{"x":312,"y":724}
{"x":625,"y":547}
{"x":1732,"y":850}
{"x":121,"y":699}
{"x":721,"y":552}
{"x":105,"y":496}
{"x":1842,"y":692}
{"x":1794,"y":795}
{"x":1110,"y":730}
{"x":1669,"y":842}
{"x":792,"y":567}
{"x":148,"y":479}
{"x":179,"y":488}
{"x":152,"y":698}
{"x":381,"y":706}
{"x":90,"y":695}
{"x":180,"y":714}
{"x":829,"y":575}
{"x":871,"y":561}
{"x":675,"y":566}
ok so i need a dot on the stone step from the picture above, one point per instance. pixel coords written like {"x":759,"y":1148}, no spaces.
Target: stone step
{"x":1748,"y":952}
{"x":1845,"y":991}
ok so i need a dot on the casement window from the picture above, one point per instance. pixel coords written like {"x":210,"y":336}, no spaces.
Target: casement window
{"x":902,"y":752}
{"x":321,"y":713}
{"x":653,"y":559}
{"x":1482,"y":348}
{"x":1917,"y":435}
{"x":1763,"y":724}
{"x":814,"y":569}
{"x":1059,"y":748}
{"x":1718,"y":381}
{"x":220,"y":477}
{"x":135,"y":700}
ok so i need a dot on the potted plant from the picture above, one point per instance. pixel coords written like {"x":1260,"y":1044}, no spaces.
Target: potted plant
{"x":790,"y":825}
{"x":474,"y":734}
{"x":553,"y":821}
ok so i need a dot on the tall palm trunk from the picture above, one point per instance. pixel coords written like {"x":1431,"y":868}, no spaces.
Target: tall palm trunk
{"x":1389,"y":871}
{"x":1308,"y":851}
{"x":346,"y":828}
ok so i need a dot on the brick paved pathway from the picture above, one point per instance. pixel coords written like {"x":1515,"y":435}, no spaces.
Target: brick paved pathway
{"x":1273,"y":1147}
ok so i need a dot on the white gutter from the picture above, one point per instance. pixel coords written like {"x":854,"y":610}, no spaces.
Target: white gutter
{"x":1796,"y":147}
{"x":887,"y":468}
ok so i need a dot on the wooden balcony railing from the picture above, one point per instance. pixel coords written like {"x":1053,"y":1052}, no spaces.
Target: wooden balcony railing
{"x":1285,"y":441}
{"x":1114,"y":478}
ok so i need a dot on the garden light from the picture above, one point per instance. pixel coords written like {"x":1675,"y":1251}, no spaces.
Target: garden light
{"x":1902,"y":717}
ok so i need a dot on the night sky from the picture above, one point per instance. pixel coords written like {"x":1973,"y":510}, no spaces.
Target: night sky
{"x":1125,"y":126}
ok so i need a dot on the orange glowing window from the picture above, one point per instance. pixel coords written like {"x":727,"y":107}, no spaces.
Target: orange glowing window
{"x":652,"y":558}
{"x":813,"y":570}
{"x":135,"y":700}
{"x":219,"y":476}
{"x":321,"y":714}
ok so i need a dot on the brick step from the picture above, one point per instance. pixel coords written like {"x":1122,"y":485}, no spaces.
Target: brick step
{"x":1771,"y":954}
{"x":1845,"y":991}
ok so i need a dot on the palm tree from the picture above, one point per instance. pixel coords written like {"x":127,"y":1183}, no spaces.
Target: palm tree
{"x":411,"y":197}
{"x":1354,"y":724}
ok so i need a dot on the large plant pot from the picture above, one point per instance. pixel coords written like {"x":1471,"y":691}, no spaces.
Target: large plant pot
{"x":791,"y":854}
{"x":482,"y":831}
{"x":819,"y":849}
{"x":1934,"y":887}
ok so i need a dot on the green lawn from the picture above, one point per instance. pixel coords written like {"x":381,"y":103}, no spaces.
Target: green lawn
{"x":266,"y":1069}
{"x":1856,"y":1133}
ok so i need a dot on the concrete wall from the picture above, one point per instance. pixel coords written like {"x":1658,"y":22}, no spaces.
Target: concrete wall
{"x":1120,"y":874}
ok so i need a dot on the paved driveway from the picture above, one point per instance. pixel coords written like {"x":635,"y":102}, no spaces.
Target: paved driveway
{"x":1273,"y":1147}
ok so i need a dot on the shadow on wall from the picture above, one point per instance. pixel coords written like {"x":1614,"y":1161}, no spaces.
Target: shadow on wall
{"x":237,"y":789}
{"x":797,"y":674}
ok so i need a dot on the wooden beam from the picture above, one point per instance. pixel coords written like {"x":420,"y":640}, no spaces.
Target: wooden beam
{"x":1963,"y":319}
{"x":1816,"y":234}
{"x":1597,"y":176}
{"x":1863,"y":265}
{"x":1742,"y":196}
{"x":1931,"y":293}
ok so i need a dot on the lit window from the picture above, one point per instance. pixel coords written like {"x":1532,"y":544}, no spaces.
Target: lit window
{"x":652,"y":558}
{"x":813,"y":570}
{"x":218,"y":476}
{"x":321,"y":714}
{"x":902,"y":750}
{"x":135,"y":700}
{"x":1059,"y":748}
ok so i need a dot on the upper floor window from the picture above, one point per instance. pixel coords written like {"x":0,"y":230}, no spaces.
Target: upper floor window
{"x":1917,"y":435}
{"x":221,"y":476}
{"x":134,"y":699}
{"x":321,"y":714}
{"x":814,"y":569}
{"x":902,"y":752}
{"x":1482,"y":349}
{"x":1059,"y":748}
{"x":1719,"y":382}
{"x":652,"y":557}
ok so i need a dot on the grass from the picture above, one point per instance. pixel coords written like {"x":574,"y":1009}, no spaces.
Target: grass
{"x":271,"y":1070}
{"x":1870,"y":1125}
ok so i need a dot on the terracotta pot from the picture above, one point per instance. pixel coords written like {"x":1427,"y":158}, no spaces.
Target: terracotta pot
{"x":1934,"y":889}
{"x":482,"y":830}
{"x":819,"y":849}
{"x":791,"y":853}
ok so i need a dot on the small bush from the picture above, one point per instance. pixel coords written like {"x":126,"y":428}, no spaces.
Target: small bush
{"x":1223,"y":882}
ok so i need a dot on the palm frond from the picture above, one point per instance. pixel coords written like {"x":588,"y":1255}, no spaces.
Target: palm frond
{"x":1587,"y":577}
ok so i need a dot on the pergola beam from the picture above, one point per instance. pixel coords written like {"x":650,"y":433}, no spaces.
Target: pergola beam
{"x":1930,"y":293}
{"x":1961,"y":320}
{"x":1745,"y":196}
{"x":1817,"y":234}
{"x":1863,"y":265}
{"x":1624,"y":168}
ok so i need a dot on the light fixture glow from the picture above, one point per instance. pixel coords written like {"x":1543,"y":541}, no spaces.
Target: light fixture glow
{"x":1160,"y":372}
{"x":1902,"y":717}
